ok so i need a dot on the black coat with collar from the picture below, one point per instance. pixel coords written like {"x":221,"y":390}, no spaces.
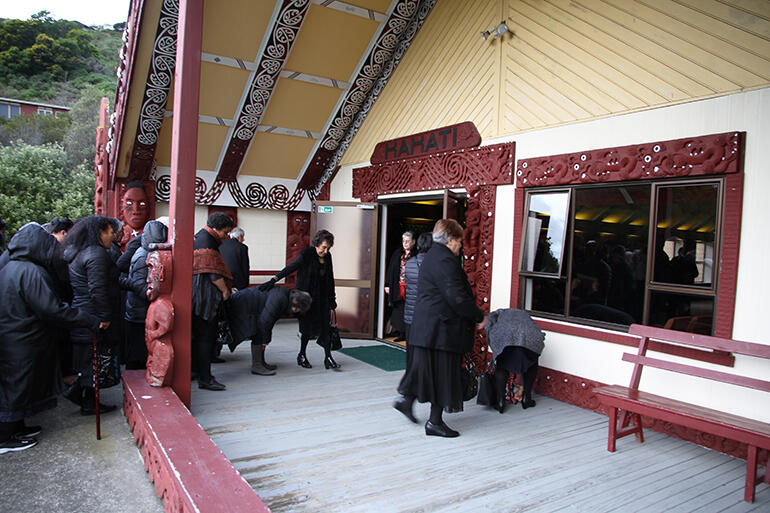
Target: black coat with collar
{"x":445,"y":313}
{"x":236,"y":256}
{"x":253,"y":313}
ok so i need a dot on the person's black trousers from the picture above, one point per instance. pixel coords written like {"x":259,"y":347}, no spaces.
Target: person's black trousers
{"x":204,"y":336}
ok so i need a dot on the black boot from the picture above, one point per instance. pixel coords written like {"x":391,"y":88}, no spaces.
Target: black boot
{"x":74,"y":393}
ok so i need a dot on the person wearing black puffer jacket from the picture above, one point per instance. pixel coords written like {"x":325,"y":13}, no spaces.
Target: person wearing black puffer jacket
{"x":412,"y":270}
{"x":135,"y":354}
{"x":30,"y":314}
{"x":96,"y":289}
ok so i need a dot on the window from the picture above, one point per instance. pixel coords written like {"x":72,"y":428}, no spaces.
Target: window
{"x":44,"y":111}
{"x":617,"y":254}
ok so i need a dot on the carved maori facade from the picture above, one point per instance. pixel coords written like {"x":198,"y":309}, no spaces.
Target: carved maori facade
{"x":693,"y":156}
{"x":479,"y":171}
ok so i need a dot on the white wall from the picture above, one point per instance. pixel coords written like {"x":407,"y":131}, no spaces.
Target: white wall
{"x":600,"y":361}
{"x":266,"y":239}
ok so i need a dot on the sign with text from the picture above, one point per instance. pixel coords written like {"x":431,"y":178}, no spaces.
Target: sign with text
{"x":448,"y":138}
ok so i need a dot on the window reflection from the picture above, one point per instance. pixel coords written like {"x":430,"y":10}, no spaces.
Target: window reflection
{"x":545,"y":232}
{"x":682,"y":312}
{"x":609,"y":259}
{"x":685,"y":229}
{"x":544,"y":295}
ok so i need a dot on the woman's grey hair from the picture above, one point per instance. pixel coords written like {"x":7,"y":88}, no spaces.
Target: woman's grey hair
{"x":301,"y":300}
{"x":408,"y":234}
{"x":237,"y":233}
{"x":446,"y":229}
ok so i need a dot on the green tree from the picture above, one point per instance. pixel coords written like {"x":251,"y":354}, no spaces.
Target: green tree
{"x":35,"y":129}
{"x":37,"y":183}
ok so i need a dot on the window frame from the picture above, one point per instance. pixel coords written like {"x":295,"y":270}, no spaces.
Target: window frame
{"x":650,"y":285}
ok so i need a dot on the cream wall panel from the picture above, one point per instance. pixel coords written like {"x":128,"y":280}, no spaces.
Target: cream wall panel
{"x":265,"y":237}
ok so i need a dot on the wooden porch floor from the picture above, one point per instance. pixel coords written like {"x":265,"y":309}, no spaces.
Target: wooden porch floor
{"x":312,"y":440}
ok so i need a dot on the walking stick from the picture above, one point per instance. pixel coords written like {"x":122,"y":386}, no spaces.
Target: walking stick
{"x":95,"y":344}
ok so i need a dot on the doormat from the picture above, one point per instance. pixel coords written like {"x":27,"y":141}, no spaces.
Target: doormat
{"x":383,"y":357}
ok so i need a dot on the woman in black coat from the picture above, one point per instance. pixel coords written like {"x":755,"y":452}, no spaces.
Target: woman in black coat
{"x":135,"y":354}
{"x":252,"y":315}
{"x":30,"y":312}
{"x":95,"y":289}
{"x":445,"y":316}
{"x":315,"y":275}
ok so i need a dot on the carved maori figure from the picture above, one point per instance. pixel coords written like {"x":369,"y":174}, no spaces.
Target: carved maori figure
{"x":160,"y":318}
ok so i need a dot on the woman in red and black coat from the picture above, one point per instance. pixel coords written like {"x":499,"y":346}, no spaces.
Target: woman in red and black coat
{"x":315,"y":275}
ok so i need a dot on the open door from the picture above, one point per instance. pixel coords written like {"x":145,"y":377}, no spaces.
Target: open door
{"x":354,"y":226}
{"x":454,"y":206}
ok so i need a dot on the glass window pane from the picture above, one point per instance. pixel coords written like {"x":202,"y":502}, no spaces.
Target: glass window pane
{"x":685,"y":234}
{"x":545,"y":232}
{"x":4,"y":112}
{"x":15,"y":111}
{"x":682,"y":312}
{"x":609,"y":261}
{"x":544,"y":295}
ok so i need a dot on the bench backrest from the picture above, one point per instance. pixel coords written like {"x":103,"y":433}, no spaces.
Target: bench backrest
{"x":648,"y":333}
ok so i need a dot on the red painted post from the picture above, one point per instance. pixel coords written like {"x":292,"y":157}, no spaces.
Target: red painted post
{"x":184,"y":144}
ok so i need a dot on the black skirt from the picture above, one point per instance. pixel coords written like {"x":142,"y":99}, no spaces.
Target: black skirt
{"x":434,"y":376}
{"x":517,"y":359}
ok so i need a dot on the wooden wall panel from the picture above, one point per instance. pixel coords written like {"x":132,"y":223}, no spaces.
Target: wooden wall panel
{"x":567,"y":61}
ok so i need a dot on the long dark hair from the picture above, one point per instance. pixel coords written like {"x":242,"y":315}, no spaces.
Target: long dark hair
{"x":84,"y":233}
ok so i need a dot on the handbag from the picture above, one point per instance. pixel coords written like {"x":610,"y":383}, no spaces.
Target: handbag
{"x":487,"y":389}
{"x":107,"y":363}
{"x":469,"y":380}
{"x":335,"y":342}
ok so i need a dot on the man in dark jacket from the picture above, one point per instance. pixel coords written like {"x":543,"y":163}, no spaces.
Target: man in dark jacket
{"x":210,"y":290}
{"x":254,"y":312}
{"x":236,"y":255}
{"x":29,"y":309}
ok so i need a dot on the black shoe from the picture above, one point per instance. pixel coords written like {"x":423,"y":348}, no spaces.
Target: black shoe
{"x":232,"y":346}
{"x":74,"y":393}
{"x":442,"y":429}
{"x":329,"y":363}
{"x":217,"y":359}
{"x":403,"y":405}
{"x":28,"y":432}
{"x":400,"y":339}
{"x":528,"y":403}
{"x":15,"y":444}
{"x":302,"y":361}
{"x":500,"y":405}
{"x":103,"y":408}
{"x":211,"y":384}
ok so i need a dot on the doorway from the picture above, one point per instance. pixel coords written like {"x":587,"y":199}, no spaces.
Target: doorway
{"x":416,"y":214}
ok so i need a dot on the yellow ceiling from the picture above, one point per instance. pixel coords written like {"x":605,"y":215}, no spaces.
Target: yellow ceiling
{"x":331,"y":43}
{"x":210,"y":140}
{"x":276,"y":155}
{"x":301,"y":105}
{"x":380,"y":6}
{"x":221,"y":88}
{"x":234,"y":28}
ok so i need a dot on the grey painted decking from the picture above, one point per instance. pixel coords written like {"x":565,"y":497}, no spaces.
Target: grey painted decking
{"x":312,"y":440}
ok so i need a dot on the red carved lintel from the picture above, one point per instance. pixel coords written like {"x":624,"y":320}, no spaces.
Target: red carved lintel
{"x":692,"y":156}
{"x":447,"y":138}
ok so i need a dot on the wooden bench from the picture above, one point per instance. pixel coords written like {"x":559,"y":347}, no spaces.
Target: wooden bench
{"x":633,"y":403}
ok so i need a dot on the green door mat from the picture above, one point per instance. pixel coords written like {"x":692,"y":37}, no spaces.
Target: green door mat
{"x":383,"y":357}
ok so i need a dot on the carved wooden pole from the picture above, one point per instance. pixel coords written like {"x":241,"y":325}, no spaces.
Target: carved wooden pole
{"x":184,"y":144}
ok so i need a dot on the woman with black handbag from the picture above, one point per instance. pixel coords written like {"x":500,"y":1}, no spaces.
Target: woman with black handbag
{"x":442,"y":330}
{"x":315,"y":275}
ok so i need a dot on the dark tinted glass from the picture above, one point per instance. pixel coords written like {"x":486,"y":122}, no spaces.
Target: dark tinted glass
{"x":682,"y":312}
{"x":545,"y":232}
{"x":544,"y":295}
{"x":685,"y":234}
{"x":609,"y":259}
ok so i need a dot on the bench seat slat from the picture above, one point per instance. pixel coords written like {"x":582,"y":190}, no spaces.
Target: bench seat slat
{"x":704,"y":341}
{"x":685,"y":414}
{"x":724,"y":377}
